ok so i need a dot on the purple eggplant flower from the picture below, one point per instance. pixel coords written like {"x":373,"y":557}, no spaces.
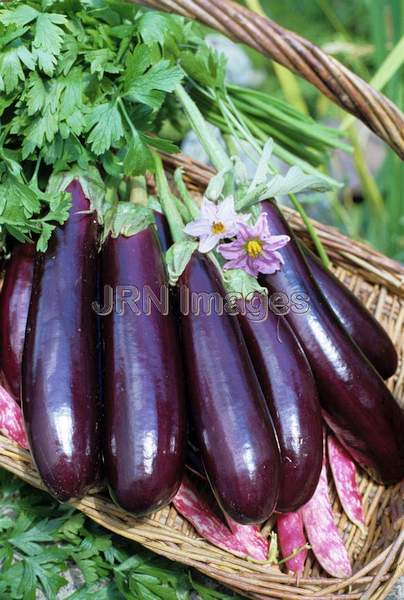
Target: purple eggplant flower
{"x":254,"y":250}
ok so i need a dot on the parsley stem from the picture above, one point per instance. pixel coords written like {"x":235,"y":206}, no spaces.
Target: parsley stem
{"x":34,"y":178}
{"x":127,"y":118}
{"x":167,"y":201}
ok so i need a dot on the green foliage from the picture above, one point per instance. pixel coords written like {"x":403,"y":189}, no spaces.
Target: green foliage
{"x":40,"y":539}
{"x":88,"y":84}
{"x":82,"y":82}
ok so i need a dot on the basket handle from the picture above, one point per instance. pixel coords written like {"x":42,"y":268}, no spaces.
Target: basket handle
{"x":332,"y":78}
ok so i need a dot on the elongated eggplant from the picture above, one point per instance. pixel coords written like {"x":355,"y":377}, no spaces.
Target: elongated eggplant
{"x":361,"y":325}
{"x":291,"y":393}
{"x":233,"y":426}
{"x":59,"y":367}
{"x":145,"y":418}
{"x":14,"y":303}
{"x":356,"y":403}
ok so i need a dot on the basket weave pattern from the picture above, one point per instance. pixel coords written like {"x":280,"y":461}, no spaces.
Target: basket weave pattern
{"x":377,"y":557}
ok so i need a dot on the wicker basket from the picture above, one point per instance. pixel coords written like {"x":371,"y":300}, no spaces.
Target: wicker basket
{"x":378,"y":556}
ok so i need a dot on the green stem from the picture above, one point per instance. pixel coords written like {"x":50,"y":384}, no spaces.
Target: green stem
{"x":313,"y":234}
{"x":138,"y":190}
{"x":217,"y":155}
{"x":220,"y":159}
{"x":34,"y":178}
{"x":127,"y":118}
{"x":369,"y":185}
{"x":167,"y":201}
{"x":185,"y":195}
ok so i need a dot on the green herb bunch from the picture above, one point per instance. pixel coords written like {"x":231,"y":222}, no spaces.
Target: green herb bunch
{"x":82,"y":83}
{"x":86,"y":86}
{"x":40,"y":539}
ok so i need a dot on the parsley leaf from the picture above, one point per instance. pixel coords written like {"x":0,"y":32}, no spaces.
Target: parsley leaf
{"x":22,"y":15}
{"x":48,"y":40}
{"x":148,"y":88}
{"x":11,"y":67}
{"x":105,"y":125}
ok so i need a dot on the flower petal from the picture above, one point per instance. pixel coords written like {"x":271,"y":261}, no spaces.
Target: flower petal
{"x":208,"y":210}
{"x":251,"y":266}
{"x":231,"y":250}
{"x":198,"y":228}
{"x":239,"y":263}
{"x":226,"y":211}
{"x":261,"y":228}
{"x":275,"y":242}
{"x":206,"y":244}
{"x":268,"y":267}
{"x":244,"y":232}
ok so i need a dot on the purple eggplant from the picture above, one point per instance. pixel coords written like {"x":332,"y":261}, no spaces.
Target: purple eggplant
{"x":144,"y":449}
{"x":356,"y":403}
{"x":361,"y":325}
{"x":59,"y":367}
{"x":232,"y":423}
{"x":291,"y":393}
{"x":14,"y":303}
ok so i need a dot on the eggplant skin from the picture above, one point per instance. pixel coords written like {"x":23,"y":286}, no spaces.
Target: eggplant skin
{"x":232,"y":423}
{"x":59,"y":368}
{"x":361,"y":325}
{"x":163,"y":231}
{"x":356,"y":403}
{"x":14,"y":303}
{"x":145,"y":420}
{"x":291,"y":393}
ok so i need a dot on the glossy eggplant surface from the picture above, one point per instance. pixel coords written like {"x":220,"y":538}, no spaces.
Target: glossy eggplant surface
{"x":233,"y":426}
{"x":361,"y":325}
{"x":291,"y":393}
{"x":356,"y":403}
{"x":145,"y":418}
{"x":14,"y":303}
{"x":59,"y":367}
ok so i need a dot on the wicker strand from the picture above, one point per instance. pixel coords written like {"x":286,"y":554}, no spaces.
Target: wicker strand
{"x":332,"y":78}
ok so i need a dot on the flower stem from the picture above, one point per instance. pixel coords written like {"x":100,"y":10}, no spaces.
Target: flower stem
{"x":313,"y":234}
{"x":167,"y":201}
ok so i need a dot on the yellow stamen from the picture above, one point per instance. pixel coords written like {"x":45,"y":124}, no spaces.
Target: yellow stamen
{"x":253,"y":248}
{"x":217,"y":227}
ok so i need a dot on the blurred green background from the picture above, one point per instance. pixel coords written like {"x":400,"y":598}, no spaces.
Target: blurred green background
{"x":361,"y":34}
